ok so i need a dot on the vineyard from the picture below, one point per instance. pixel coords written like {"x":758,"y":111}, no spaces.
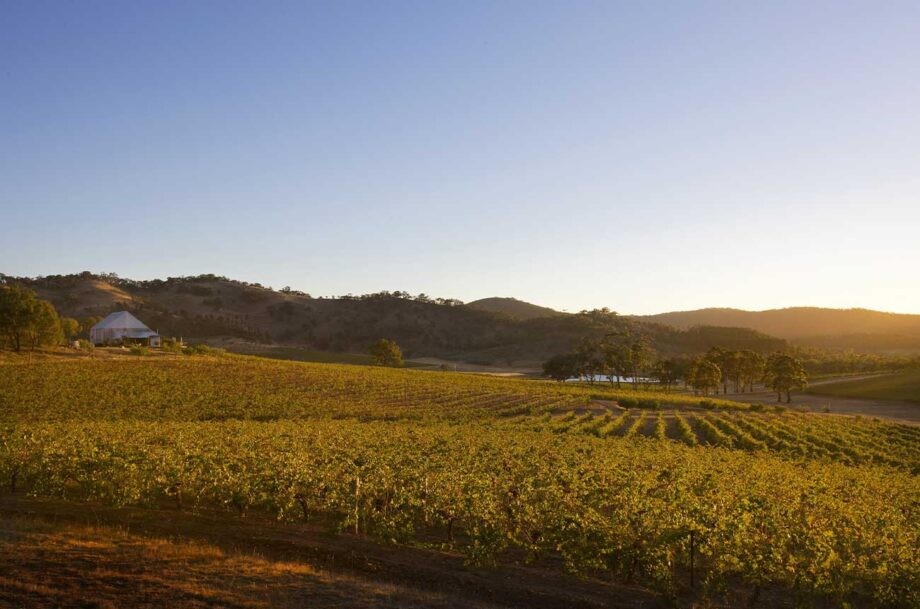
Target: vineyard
{"x":236,"y":387}
{"x":824,"y":508}
{"x":853,"y":441}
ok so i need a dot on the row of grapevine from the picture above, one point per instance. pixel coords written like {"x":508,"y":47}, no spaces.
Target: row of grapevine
{"x":685,"y":432}
{"x":844,"y":439}
{"x":712,"y":434}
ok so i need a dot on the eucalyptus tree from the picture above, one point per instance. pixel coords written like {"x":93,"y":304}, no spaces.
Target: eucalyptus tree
{"x":705,"y":376}
{"x":785,"y":374}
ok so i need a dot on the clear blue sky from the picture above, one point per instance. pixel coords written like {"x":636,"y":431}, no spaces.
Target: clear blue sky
{"x":644,"y":156}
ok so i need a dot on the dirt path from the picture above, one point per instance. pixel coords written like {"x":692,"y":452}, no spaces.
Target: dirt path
{"x":48,"y":552}
{"x":844,"y":379}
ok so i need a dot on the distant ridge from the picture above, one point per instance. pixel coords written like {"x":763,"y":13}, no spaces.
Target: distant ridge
{"x":834,"y":328}
{"x":518,"y":309}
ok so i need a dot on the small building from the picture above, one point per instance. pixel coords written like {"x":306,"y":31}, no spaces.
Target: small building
{"x":122,"y":327}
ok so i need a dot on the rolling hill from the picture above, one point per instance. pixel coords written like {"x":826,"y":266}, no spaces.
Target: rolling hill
{"x":208,"y":307}
{"x":858,"y":329}
{"x":518,"y":309}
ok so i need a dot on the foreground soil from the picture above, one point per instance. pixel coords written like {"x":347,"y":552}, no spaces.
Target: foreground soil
{"x":61,"y":554}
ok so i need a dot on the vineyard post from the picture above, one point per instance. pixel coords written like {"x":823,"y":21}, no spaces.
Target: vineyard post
{"x":692,"y":549}
{"x":302,"y":500}
{"x":357,"y":496}
{"x":425,"y":512}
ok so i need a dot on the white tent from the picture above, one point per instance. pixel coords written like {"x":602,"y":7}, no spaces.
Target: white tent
{"x":121,"y":325}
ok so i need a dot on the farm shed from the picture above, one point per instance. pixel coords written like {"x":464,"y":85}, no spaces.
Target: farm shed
{"x":120,"y":327}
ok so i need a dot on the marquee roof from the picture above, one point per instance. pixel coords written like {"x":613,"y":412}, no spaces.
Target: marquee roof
{"x":122,"y":320}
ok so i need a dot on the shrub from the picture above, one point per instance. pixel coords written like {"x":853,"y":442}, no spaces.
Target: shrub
{"x":707,"y":404}
{"x":171,"y":345}
{"x":758,"y":407}
{"x":628,"y":402}
{"x":650,"y":403}
{"x":139,"y":350}
{"x":202,"y":349}
{"x":386,"y":353}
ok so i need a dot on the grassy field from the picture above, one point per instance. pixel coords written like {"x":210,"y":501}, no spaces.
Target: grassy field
{"x":903,"y":386}
{"x":302,"y":355}
{"x":299,"y":354}
{"x":484,"y":471}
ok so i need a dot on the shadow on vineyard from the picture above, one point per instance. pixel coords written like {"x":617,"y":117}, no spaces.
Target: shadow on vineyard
{"x":160,"y":556}
{"x":479,"y":489}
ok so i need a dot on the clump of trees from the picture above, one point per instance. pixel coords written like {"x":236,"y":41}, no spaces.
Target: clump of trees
{"x":616,"y":357}
{"x":781,"y":372}
{"x":669,"y":371}
{"x":622,"y":355}
{"x":29,"y":322}
{"x":740,"y":369}
{"x":704,"y":376}
{"x":386,"y":353}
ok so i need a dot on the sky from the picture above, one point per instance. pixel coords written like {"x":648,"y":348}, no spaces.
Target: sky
{"x":643,"y":156}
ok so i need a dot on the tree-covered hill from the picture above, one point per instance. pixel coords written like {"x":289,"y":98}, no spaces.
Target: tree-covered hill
{"x":209,"y":306}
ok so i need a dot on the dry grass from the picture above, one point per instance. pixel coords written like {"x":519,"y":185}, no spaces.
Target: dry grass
{"x":900,"y":386}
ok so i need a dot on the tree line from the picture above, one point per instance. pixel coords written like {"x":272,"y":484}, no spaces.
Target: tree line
{"x":65,"y":281}
{"x":624,"y":357}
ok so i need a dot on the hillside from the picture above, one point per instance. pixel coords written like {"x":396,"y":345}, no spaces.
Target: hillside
{"x":859,"y":329}
{"x":518,"y":309}
{"x":208,"y":307}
